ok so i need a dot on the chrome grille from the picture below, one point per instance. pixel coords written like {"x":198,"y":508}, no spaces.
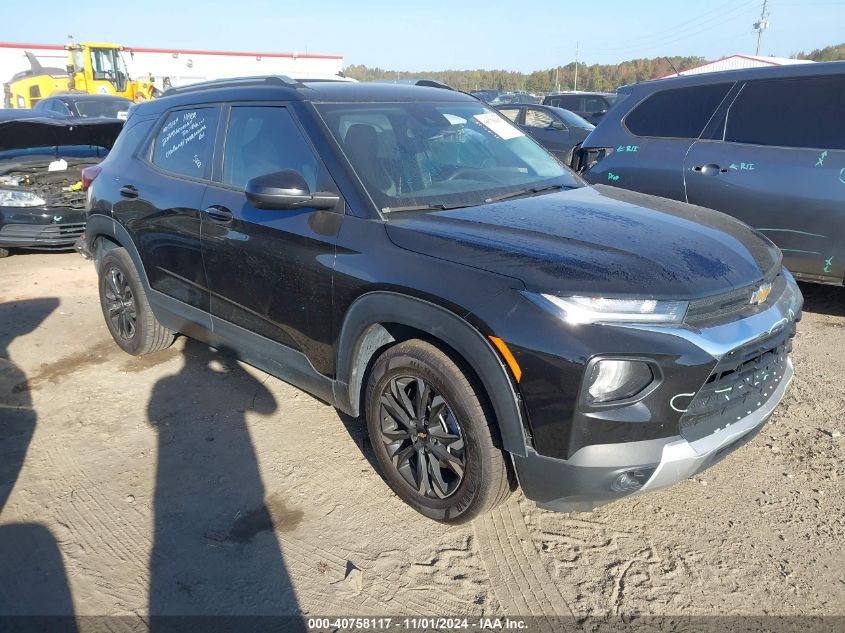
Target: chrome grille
{"x":722,"y":307}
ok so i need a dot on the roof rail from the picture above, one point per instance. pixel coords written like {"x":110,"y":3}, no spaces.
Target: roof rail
{"x":236,"y":82}
{"x":433,"y":83}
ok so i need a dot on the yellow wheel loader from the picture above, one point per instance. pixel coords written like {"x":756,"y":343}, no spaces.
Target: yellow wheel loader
{"x":92,"y":68}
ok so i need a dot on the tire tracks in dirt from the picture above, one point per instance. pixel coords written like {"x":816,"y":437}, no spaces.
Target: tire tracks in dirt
{"x":519,"y":580}
{"x":103,"y":534}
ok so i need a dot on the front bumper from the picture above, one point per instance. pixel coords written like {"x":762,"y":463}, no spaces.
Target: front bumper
{"x":714,"y":421}
{"x":681,"y":459}
{"x":586,"y":481}
{"x":54,"y":228}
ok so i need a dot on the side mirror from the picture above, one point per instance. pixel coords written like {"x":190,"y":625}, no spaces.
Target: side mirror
{"x":557,"y":125}
{"x":600,"y":112}
{"x":286,"y":189}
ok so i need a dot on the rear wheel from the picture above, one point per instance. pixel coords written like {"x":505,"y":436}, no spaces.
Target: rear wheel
{"x":433,"y":434}
{"x":128,"y":315}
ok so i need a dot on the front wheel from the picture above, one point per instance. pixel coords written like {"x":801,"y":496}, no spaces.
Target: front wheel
{"x":434,"y":435}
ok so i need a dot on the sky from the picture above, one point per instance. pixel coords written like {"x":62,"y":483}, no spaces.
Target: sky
{"x":436,"y":34}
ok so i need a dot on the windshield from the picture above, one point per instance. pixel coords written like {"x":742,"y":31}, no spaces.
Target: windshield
{"x":573,"y":120}
{"x":97,"y":108}
{"x":451,"y":154}
{"x":108,"y":65}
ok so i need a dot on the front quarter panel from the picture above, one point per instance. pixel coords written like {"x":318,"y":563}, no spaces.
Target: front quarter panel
{"x":388,"y":285}
{"x":553,"y":356}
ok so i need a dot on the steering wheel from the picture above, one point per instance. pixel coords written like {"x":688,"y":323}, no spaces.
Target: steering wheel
{"x":473,"y":172}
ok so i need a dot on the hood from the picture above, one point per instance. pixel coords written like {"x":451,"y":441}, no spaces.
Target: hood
{"x":24,"y":132}
{"x":578,"y":134}
{"x":596,"y":240}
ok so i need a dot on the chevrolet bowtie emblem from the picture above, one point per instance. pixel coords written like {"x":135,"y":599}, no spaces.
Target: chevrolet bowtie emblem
{"x":761,"y":294}
{"x":57,"y":219}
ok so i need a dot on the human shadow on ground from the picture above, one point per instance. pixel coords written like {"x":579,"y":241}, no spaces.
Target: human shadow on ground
{"x":32,"y":575}
{"x":215,"y":550}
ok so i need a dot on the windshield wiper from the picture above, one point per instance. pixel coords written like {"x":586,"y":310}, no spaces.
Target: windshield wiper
{"x":505,"y":196}
{"x":423,"y":207}
{"x":526,"y":192}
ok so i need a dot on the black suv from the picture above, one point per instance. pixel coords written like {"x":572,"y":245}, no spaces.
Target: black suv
{"x":409,"y":255}
{"x":765,"y":145}
{"x":591,"y":106}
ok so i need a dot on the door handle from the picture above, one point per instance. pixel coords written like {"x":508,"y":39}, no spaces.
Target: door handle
{"x":128,"y":191}
{"x":710,"y":169}
{"x":220,"y":215}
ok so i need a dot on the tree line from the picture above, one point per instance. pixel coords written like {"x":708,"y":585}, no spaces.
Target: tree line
{"x":826,"y":54}
{"x":593,"y":77}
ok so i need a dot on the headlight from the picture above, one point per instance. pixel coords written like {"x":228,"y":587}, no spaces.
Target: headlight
{"x":610,"y":379}
{"x":16,"y":198}
{"x":601,"y":310}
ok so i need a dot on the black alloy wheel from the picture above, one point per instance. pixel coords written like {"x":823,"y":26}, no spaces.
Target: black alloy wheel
{"x":129,"y":317}
{"x":422,"y":436}
{"x":120,"y":303}
{"x":433,"y":433}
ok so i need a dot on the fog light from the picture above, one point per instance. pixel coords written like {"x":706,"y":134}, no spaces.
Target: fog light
{"x":610,"y":380}
{"x":630,"y":480}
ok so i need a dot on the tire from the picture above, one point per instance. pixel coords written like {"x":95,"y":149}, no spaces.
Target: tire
{"x":127,"y":312}
{"x":456,"y":434}
{"x":4,"y":252}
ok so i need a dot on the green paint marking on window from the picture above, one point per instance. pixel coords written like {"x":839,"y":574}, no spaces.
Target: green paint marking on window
{"x":628,"y":148}
{"x":827,"y":264}
{"x":820,"y":161}
{"x":612,"y":176}
{"x":742,"y":166}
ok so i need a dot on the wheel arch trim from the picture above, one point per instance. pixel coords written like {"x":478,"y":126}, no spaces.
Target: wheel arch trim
{"x":363,"y":332}
{"x":99,"y":225}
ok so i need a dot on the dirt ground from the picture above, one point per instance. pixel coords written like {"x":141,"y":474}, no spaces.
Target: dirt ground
{"x":188,"y":483}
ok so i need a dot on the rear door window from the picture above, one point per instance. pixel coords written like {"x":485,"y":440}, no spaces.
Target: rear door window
{"x":184,"y":144}
{"x":807,"y":112}
{"x":511,"y":113}
{"x":569,"y":102}
{"x":678,"y":113}
{"x":58,"y":107}
{"x":594,"y":104}
{"x":537,"y":118}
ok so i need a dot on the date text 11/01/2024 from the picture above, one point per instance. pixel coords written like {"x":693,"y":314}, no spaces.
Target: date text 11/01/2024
{"x":417,"y":624}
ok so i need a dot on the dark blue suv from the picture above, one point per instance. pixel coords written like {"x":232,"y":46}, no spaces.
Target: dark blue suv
{"x":765,"y":145}
{"x":409,"y":255}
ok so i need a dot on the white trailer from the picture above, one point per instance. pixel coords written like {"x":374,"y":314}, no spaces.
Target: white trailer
{"x":179,"y":67}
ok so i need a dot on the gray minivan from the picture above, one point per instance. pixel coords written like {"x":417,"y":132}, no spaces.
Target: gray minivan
{"x":765,"y":145}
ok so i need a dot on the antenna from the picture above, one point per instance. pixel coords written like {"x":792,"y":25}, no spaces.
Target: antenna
{"x":576,"y":67}
{"x":762,"y":25}
{"x":671,"y":65}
